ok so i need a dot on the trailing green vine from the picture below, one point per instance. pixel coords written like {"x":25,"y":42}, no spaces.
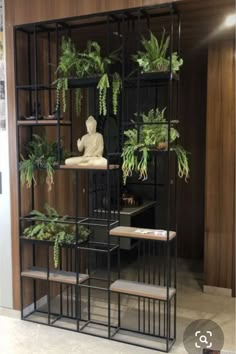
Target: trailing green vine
{"x":116,"y":90}
{"x":136,"y":151}
{"x":87,"y":64}
{"x":49,"y":226}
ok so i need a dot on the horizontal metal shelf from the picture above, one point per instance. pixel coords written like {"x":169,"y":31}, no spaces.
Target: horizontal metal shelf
{"x":150,"y":291}
{"x":58,"y":276}
{"x":89,"y":221}
{"x":34,"y":87}
{"x":51,"y":243}
{"x":152,"y":78}
{"x":98,"y":246}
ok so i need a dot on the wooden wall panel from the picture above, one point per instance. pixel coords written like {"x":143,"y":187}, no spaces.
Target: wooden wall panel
{"x":52,"y":9}
{"x":192,"y":138}
{"x":220,"y":160}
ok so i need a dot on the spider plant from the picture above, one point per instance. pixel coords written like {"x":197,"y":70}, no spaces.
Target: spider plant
{"x":40,"y":154}
{"x":86,"y":64}
{"x":155,"y":58}
{"x":50,"y":226}
{"x":136,"y":151}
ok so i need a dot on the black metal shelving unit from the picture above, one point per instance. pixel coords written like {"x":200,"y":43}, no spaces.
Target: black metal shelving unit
{"x":67,"y":297}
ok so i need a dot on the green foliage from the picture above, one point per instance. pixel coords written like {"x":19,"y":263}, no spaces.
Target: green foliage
{"x":135,"y":152}
{"x":154,"y":58}
{"x":86,"y":64}
{"x":50,"y":226}
{"x":40,"y":155}
{"x":116,"y":90}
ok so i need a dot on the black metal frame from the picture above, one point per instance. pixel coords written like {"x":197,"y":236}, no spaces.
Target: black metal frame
{"x":162,"y":270}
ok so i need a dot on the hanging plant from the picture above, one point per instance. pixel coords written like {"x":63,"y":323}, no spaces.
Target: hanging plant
{"x":154,"y":57}
{"x":87,"y":64}
{"x":50,"y":226}
{"x":40,"y":154}
{"x":136,"y":151}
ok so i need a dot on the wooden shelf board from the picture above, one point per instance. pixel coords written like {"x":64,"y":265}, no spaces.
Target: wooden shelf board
{"x":35,"y":272}
{"x":88,"y":167}
{"x":55,"y":275}
{"x":43,"y":122}
{"x":127,"y":231}
{"x":140,"y":289}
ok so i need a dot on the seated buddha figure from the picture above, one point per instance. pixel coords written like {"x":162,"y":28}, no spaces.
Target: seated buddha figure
{"x":92,"y":146}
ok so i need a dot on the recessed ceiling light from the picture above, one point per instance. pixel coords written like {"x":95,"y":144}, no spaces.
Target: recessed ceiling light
{"x":230,"y":20}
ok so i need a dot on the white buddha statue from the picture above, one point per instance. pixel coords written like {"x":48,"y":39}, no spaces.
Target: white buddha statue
{"x":92,"y":144}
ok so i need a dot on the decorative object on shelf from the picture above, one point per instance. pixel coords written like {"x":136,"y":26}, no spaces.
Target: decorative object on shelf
{"x":92,"y":144}
{"x":56,"y":114}
{"x":154,"y":58}
{"x":36,"y":113}
{"x":50,"y":226}
{"x":40,"y":155}
{"x":151,"y":136}
{"x":87,"y":64}
{"x":128,"y":200}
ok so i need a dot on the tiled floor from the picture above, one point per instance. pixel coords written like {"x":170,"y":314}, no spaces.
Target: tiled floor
{"x":21,"y":337}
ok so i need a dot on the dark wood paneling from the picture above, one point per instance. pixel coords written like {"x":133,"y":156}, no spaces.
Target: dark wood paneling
{"x":192,"y":137}
{"x":220,"y":159}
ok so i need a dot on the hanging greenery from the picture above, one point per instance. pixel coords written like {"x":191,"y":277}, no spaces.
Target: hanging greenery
{"x":135,"y":152}
{"x":154,"y":57}
{"x":40,"y":154}
{"x":87,"y":64}
{"x":50,"y":226}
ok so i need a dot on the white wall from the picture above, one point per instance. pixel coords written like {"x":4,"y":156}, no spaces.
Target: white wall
{"x":5,"y":221}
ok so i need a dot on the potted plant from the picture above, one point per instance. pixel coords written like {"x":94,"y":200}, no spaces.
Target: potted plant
{"x":87,"y":64}
{"x":50,"y":226}
{"x":40,"y":154}
{"x":155,"y":57}
{"x":136,"y":151}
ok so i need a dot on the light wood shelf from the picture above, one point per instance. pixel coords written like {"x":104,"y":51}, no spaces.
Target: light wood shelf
{"x":140,"y":289}
{"x":141,"y":233}
{"x":89,"y":167}
{"x":43,"y":122}
{"x":59,"y":276}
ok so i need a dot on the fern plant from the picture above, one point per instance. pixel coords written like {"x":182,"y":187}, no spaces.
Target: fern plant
{"x":136,"y":151}
{"x":86,"y":64}
{"x":50,"y":226}
{"x":40,"y":154}
{"x":154,"y":57}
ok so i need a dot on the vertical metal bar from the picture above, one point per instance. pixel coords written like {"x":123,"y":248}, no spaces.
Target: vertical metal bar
{"x":170,"y":98}
{"x":108,"y":255}
{"x":58,"y":118}
{"x":61,"y":303}
{"x":36,"y":71}
{"x":34,"y":281}
{"x":149,"y":281}
{"x":48,"y":284}
{"x":29,"y":69}
{"x":144,"y":273}
{"x":77,"y":258}
{"x":49,"y":74}
{"x":138,"y":77}
{"x":67,"y":288}
{"x":139,"y":242}
{"x":118,"y":262}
